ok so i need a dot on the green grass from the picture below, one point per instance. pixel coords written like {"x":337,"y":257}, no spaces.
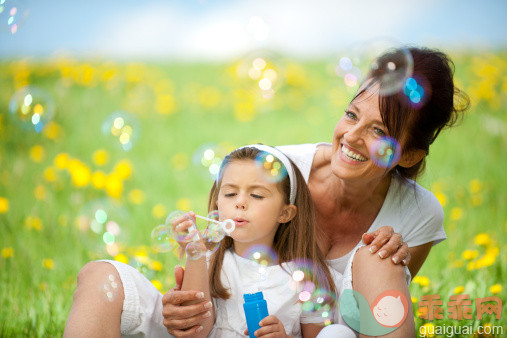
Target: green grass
{"x":36,"y":300}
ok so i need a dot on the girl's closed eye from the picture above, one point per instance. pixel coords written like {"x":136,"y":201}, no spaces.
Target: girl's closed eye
{"x":230,"y":194}
{"x":257,"y":196}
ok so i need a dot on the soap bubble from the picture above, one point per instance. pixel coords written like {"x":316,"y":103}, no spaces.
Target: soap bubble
{"x":103,"y":217}
{"x":260,"y":72}
{"x":261,"y":257}
{"x":389,"y":60}
{"x":385,"y":151}
{"x":161,"y":239}
{"x":208,"y":159}
{"x":215,"y":232}
{"x":272,"y":169}
{"x":141,"y":263}
{"x":417,"y":91}
{"x":122,"y":126}
{"x":209,"y":239}
{"x":179,"y":217}
{"x":110,"y":288}
{"x":32,"y":108}
{"x":12,"y":15}
{"x":195,"y":250}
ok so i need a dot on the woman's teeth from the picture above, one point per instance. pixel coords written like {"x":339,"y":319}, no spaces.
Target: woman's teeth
{"x":352,"y":155}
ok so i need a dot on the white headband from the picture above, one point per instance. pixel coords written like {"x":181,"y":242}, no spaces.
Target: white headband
{"x":285,"y":161}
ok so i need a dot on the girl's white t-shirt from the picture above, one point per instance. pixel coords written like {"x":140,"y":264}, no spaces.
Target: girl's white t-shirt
{"x":240,"y":275}
{"x":409,"y":209}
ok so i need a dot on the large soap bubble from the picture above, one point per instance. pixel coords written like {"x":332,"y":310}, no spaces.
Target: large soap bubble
{"x":31,"y":108}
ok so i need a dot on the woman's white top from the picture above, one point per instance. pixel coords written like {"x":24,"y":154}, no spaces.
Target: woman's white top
{"x":409,"y":209}
{"x":241,"y":276}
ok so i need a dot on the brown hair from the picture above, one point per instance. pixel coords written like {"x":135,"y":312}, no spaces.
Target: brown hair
{"x":294,"y":240}
{"x":417,"y":126}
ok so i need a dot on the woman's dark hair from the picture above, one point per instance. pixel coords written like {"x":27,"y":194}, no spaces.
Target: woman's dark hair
{"x":416,"y":126}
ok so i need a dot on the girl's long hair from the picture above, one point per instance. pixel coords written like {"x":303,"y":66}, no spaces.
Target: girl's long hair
{"x":295,"y":240}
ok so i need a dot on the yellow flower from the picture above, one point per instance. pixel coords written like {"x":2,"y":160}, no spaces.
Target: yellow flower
{"x":156,"y":283}
{"x":32,"y":222}
{"x":482,"y":239}
{"x":470,"y":266}
{"x":459,"y":289}
{"x":159,"y":211}
{"x":43,"y":286}
{"x":413,"y":299}
{"x":456,"y":214}
{"x":427,"y":330}
{"x":184,"y":204}
{"x":157,"y":266}
{"x":62,"y":160}
{"x":100,"y":157}
{"x":470,"y":254}
{"x":40,"y":192}
{"x":180,"y":161}
{"x":123,"y":169}
{"x":497,"y":288}
{"x":99,"y":180}
{"x":441,"y":198}
{"x":114,"y":186}
{"x":165,"y":104}
{"x":80,"y":173}
{"x":48,"y":263}
{"x":136,"y":196}
{"x":52,"y":131}
{"x":121,"y":258}
{"x":421,"y":280}
{"x":37,"y":153}
{"x":7,"y":252}
{"x":50,"y":174}
{"x":457,"y":263}
{"x":475,"y":186}
{"x":4,"y":205}
{"x":477,"y":200}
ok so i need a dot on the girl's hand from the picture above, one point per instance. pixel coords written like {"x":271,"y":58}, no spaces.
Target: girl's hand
{"x":271,"y":327}
{"x":388,"y":243}
{"x":181,"y":226}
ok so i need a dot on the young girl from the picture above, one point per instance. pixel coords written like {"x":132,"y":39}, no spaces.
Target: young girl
{"x":277,"y":215}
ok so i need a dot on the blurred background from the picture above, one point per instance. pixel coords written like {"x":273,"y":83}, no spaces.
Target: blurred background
{"x":114,"y":114}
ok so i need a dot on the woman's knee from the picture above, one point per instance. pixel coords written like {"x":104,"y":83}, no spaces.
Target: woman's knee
{"x":102,"y":277}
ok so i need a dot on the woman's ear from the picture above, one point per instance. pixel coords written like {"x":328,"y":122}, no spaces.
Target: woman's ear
{"x":288,"y":212}
{"x":411,"y":157}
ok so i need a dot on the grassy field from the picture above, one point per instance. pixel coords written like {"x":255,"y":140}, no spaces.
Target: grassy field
{"x":49,"y":180}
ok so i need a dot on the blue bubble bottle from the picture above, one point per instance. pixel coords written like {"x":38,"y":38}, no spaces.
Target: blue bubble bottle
{"x":256,"y":309}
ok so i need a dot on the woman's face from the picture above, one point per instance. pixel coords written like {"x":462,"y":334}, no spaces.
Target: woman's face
{"x":354,"y":135}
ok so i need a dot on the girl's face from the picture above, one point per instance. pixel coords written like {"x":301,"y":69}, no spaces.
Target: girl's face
{"x":354,"y":135}
{"x":256,"y":205}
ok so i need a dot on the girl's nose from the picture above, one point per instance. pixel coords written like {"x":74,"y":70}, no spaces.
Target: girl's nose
{"x":241,"y":203}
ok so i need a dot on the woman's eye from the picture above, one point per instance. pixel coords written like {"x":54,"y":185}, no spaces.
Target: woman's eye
{"x":257,"y":196}
{"x":379,"y":132}
{"x":350,"y":115}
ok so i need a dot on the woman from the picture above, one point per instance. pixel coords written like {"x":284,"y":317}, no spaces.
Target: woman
{"x":352,"y":196}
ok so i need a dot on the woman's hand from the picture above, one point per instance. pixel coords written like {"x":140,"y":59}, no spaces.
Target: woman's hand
{"x":388,"y":243}
{"x":183,"y":321}
{"x":271,"y":327}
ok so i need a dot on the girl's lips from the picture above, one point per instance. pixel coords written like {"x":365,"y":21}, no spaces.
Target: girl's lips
{"x":240,"y":222}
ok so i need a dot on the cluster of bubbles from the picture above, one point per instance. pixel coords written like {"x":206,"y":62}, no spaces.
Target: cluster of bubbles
{"x":181,"y":228}
{"x":313,"y":299}
{"x":385,"y":151}
{"x":260,"y":72}
{"x":272,"y":169}
{"x":209,"y":157}
{"x":31,"y":108}
{"x":123,"y":126}
{"x":362,"y":59}
{"x":110,"y":288}
{"x":261,"y":256}
{"x":11,"y":15}
{"x":103,"y":217}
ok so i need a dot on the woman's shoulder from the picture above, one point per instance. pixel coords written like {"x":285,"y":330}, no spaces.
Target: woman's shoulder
{"x":411,"y":193}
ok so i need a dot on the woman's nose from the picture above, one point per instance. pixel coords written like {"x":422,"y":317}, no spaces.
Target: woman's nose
{"x":353,"y":135}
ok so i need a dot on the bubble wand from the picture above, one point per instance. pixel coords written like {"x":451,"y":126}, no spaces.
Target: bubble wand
{"x":228,"y":225}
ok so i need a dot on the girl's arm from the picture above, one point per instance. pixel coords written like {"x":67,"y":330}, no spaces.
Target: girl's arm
{"x":196,"y":278}
{"x":311,"y":330}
